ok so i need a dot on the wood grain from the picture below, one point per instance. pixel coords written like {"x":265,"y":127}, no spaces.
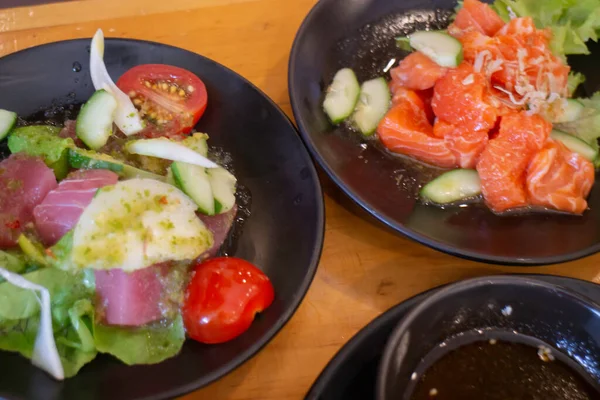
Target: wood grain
{"x":364,"y":269}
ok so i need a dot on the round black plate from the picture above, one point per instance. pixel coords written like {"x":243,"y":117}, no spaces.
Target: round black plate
{"x":352,"y":373}
{"x":283,"y":235}
{"x":360,"y":34}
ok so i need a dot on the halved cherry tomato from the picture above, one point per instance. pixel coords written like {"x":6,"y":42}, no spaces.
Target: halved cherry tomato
{"x":170,"y":99}
{"x":223,"y":297}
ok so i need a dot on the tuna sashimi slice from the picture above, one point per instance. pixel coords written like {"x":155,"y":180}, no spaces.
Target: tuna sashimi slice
{"x":219,"y":225}
{"x":130,"y":298}
{"x":24,"y":182}
{"x":62,"y":207}
{"x":69,"y":132}
{"x":137,"y":298}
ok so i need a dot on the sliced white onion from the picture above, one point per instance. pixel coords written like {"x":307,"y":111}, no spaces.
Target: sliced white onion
{"x":127,"y":117}
{"x":169,"y":150}
{"x":45,"y":355}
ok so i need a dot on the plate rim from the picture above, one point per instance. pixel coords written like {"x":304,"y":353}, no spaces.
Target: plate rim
{"x":319,"y":234}
{"x":391,"y":224}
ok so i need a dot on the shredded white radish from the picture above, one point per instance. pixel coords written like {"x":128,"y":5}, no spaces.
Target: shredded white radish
{"x":468,"y":80}
{"x":511,"y":96}
{"x":480,"y":59}
{"x":494,"y":66}
{"x":127,"y":117}
{"x":45,"y":355}
{"x":511,"y":13}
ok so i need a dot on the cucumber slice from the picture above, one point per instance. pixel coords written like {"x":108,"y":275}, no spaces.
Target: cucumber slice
{"x":193,"y":181}
{"x":442,"y":48}
{"x":169,"y":150}
{"x":341,"y":96}
{"x":572,"y":112}
{"x":8,"y":120}
{"x":403,"y":43}
{"x":222,"y":183}
{"x":373,"y":103}
{"x":575,"y":144}
{"x":95,"y":121}
{"x":86,"y":159}
{"x":452,"y":186}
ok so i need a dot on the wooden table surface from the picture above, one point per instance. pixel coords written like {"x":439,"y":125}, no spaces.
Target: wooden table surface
{"x":364,"y":269}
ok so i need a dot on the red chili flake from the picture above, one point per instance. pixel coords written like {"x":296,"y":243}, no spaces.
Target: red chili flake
{"x":14,"y":224}
{"x":163,"y":200}
{"x":50,"y":253}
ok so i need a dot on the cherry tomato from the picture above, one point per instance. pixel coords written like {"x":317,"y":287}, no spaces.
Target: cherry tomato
{"x":170,"y":99}
{"x":223,"y":297}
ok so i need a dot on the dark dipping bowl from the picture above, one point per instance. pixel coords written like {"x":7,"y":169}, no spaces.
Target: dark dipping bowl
{"x":360,"y":34}
{"x":506,"y":308}
{"x":283,"y":235}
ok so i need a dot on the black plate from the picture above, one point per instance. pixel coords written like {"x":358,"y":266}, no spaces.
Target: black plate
{"x":283,"y":235}
{"x":352,"y":373}
{"x":360,"y":34}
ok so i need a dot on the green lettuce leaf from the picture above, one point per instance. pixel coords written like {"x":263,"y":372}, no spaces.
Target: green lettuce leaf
{"x":574,"y":80}
{"x":12,"y":261}
{"x":78,"y":335}
{"x":587,"y":126}
{"x":72,"y":315}
{"x":61,"y":252}
{"x":573,"y":22}
{"x":145,"y":345}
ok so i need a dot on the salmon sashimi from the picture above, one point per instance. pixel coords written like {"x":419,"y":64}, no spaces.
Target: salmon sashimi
{"x":417,"y":72}
{"x":559,"y":178}
{"x":62,"y":207}
{"x":476,"y":16}
{"x":529,"y":63}
{"x":503,"y":164}
{"x":522,"y":26}
{"x":426,"y":96}
{"x":459,"y":99}
{"x":475,"y":42}
{"x":24,"y":182}
{"x":466,"y":145}
{"x":406,"y":130}
{"x":491,"y":113}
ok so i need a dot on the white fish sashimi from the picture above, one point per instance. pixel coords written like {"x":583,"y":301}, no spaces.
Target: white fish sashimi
{"x":45,"y":355}
{"x":127,"y":117}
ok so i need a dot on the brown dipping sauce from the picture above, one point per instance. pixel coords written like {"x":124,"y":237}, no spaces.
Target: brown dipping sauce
{"x":495,"y":370}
